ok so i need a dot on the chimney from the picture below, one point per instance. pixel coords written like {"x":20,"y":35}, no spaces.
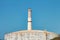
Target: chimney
{"x":29,"y":19}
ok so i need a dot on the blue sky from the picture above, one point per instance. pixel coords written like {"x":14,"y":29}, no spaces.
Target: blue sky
{"x":13,"y":15}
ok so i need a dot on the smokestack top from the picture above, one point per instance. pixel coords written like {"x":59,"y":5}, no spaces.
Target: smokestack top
{"x":29,"y":9}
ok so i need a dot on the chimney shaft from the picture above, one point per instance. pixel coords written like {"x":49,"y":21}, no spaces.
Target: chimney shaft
{"x":29,"y":19}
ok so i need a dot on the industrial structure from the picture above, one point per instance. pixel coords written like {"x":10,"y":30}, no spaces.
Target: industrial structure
{"x":30,"y":34}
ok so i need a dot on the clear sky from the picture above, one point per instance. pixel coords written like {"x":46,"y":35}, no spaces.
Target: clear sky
{"x":45,"y":15}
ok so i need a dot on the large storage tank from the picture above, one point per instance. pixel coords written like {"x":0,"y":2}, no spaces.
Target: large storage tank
{"x":30,"y":34}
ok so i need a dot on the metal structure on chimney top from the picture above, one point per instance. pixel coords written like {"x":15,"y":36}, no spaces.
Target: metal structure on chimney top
{"x":30,"y":34}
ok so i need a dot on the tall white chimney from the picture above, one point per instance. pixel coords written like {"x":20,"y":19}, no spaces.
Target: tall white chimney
{"x":29,"y":19}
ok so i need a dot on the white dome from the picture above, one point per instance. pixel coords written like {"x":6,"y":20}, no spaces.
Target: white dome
{"x":30,"y":35}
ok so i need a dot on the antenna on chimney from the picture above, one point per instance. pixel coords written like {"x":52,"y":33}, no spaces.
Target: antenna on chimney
{"x":29,"y":19}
